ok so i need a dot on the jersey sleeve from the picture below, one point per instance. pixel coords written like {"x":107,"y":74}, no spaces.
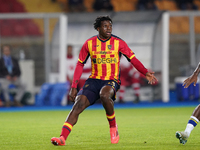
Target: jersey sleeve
{"x":83,"y":56}
{"x":84,"y":53}
{"x":139,"y":66}
{"x":125,"y":50}
{"x":77,"y":74}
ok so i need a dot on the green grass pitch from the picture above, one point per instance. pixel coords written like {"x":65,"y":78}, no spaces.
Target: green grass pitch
{"x":139,"y":128}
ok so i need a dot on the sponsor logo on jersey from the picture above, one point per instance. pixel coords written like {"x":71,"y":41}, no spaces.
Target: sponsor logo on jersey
{"x":104,"y":60}
{"x":103,"y":52}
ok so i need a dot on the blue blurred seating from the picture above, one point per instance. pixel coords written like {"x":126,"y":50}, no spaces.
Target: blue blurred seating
{"x":12,"y":92}
{"x":52,"y":94}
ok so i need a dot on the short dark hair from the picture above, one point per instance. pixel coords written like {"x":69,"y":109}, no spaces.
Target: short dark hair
{"x":98,"y":20}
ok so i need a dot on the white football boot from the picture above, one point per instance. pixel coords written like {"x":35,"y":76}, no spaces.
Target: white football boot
{"x":182,"y":136}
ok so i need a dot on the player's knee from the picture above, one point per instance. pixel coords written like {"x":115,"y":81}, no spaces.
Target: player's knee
{"x":104,"y":98}
{"x":79,"y":106}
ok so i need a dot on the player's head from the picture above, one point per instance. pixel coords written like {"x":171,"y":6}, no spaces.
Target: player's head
{"x":99,"y":19}
{"x":103,"y":24}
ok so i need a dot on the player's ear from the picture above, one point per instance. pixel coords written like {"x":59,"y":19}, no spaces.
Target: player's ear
{"x":98,"y":29}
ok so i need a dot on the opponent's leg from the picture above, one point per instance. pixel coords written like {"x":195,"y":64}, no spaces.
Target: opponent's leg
{"x":193,"y":121}
{"x":105,"y":95}
{"x":80,"y":104}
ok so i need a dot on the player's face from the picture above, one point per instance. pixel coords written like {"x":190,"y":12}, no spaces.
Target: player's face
{"x":105,"y":29}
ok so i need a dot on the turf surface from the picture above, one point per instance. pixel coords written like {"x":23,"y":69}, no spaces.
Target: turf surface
{"x":139,"y":128}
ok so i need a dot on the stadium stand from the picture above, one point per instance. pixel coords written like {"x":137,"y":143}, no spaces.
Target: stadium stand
{"x":197,"y":2}
{"x":19,"y":30}
{"x":124,"y":5}
{"x":39,"y":6}
{"x":25,"y":27}
{"x":44,"y":6}
{"x":5,"y":7}
{"x":197,"y":24}
{"x":119,"y":5}
{"x":13,"y":27}
{"x":5,"y":29}
{"x":88,"y":5}
{"x":18,"y":7}
{"x":166,"y":5}
{"x":178,"y":25}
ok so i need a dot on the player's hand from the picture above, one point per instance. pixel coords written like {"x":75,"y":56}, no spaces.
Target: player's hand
{"x":151,"y":78}
{"x":189,"y":80}
{"x":72,"y":94}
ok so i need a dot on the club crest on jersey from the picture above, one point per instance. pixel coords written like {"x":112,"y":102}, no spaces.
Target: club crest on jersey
{"x":109,"y":47}
{"x":86,"y":85}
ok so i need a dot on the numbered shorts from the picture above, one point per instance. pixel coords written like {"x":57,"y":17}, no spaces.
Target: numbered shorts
{"x":92,"y":88}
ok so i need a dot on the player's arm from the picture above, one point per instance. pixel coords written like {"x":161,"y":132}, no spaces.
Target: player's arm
{"x":83,"y":56}
{"x":128,"y":53}
{"x":192,"y":78}
{"x":140,"y":67}
{"x":77,"y":74}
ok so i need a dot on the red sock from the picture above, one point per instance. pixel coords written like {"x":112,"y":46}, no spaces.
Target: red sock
{"x":111,"y":120}
{"x":66,"y":129}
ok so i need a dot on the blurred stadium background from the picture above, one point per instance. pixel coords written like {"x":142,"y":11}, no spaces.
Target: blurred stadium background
{"x":166,"y":40}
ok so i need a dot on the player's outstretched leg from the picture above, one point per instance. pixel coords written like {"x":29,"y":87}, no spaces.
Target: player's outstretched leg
{"x":80,"y":104}
{"x":182,"y":136}
{"x":193,"y":121}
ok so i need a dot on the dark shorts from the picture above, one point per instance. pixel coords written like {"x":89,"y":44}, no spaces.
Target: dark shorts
{"x":92,"y":87}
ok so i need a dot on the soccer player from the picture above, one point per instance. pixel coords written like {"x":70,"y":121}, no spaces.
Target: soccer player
{"x":104,"y":50}
{"x":194,"y":119}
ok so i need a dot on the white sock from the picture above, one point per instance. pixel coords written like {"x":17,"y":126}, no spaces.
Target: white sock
{"x":190,"y":126}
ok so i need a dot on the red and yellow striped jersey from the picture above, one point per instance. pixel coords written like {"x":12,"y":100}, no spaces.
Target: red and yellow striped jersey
{"x":105,"y":56}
